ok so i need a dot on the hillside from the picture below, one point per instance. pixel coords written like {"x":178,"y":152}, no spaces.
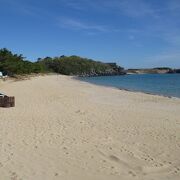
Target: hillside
{"x":14,"y":64}
{"x":75,"y":65}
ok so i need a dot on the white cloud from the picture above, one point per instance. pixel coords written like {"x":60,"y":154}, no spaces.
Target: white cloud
{"x":131,"y":8}
{"x":75,"y":24}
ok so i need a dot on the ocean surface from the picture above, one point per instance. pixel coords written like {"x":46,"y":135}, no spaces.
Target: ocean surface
{"x":161,"y":84}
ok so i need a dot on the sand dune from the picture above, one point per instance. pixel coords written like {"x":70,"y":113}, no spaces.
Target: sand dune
{"x":65,"y":129}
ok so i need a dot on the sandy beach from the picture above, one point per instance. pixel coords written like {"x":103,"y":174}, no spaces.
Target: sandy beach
{"x":65,"y":129}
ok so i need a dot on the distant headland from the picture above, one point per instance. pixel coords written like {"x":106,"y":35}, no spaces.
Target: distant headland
{"x":157,"y":70}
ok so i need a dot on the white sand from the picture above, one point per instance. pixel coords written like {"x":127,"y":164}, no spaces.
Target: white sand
{"x":69,"y":130}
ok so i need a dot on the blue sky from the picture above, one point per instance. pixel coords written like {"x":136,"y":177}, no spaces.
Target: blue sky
{"x":133,"y":33}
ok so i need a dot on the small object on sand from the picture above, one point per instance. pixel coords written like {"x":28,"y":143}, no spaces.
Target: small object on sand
{"x":6,"y":101}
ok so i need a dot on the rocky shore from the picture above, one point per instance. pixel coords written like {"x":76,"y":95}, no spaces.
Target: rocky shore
{"x":113,"y":70}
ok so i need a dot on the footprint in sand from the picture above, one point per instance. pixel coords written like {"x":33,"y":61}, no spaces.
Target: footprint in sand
{"x":114,"y":158}
{"x":132,"y":173}
{"x":176,"y":170}
{"x":156,"y":167}
{"x":14,"y":176}
{"x":1,"y":165}
{"x":81,"y":112}
{"x":119,"y":161}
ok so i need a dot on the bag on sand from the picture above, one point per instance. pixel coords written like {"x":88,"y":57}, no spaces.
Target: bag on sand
{"x":6,"y":101}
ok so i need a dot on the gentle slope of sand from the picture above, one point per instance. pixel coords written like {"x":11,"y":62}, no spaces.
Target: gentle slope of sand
{"x":69,"y":130}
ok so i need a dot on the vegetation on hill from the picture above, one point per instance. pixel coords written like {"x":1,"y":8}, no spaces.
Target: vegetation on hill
{"x":75,"y":65}
{"x":12,"y":64}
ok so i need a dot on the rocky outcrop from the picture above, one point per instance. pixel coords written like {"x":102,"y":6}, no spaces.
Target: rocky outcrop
{"x":113,"y":70}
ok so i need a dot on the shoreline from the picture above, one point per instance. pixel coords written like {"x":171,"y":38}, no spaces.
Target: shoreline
{"x":128,"y":90}
{"x":29,"y":77}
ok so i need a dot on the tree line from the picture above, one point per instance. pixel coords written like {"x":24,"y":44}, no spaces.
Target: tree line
{"x":15,"y":64}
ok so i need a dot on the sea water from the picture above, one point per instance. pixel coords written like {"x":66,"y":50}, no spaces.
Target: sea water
{"x":161,"y":84}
